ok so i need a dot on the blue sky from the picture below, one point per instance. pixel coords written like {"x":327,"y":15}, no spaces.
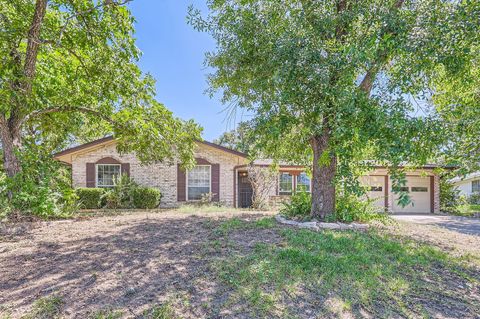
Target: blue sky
{"x":173,"y":52}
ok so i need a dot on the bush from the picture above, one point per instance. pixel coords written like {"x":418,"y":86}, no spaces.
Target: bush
{"x":146,"y":197}
{"x":121,"y":195}
{"x":351,"y":208}
{"x":299,"y":206}
{"x":474,"y":199}
{"x":450,"y":200}
{"x":90,"y":198}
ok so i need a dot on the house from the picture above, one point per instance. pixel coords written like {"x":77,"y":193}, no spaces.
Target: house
{"x":224,"y":172}
{"x":468,"y":184}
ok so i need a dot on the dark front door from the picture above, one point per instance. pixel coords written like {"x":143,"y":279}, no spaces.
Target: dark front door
{"x":245,"y":191}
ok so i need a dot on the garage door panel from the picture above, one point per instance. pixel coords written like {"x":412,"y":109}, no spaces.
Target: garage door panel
{"x":375,"y":189}
{"x":418,"y":189}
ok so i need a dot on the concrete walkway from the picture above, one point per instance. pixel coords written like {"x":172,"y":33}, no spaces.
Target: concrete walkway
{"x":464,"y":225}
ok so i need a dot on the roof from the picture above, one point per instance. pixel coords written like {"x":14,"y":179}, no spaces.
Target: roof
{"x":473,"y":175}
{"x":111,"y":138}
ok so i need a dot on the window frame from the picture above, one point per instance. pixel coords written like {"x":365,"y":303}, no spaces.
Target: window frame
{"x":477,"y":186}
{"x":209,"y":183}
{"x":309,"y":183}
{"x":97,"y":177}
{"x":419,"y":189}
{"x":280,"y":192}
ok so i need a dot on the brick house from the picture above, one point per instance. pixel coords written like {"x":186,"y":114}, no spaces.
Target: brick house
{"x":223,"y":172}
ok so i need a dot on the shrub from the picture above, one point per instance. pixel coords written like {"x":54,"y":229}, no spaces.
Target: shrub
{"x":90,"y":198}
{"x":121,"y":195}
{"x":474,"y":199}
{"x":298,"y":206}
{"x":351,"y":208}
{"x":450,"y":199}
{"x":146,"y":197}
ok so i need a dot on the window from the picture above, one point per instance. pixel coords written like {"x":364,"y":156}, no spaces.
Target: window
{"x":285,"y":184}
{"x":198,"y":182}
{"x":400,"y":189}
{"x":476,"y":186}
{"x":419,"y":189}
{"x":107,"y":174}
{"x":303,"y":182}
{"x":376,"y":188}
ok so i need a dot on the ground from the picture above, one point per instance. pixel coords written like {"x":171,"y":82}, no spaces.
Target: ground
{"x":234,"y":265}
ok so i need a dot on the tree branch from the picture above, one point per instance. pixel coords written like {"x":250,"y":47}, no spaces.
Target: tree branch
{"x":101,"y":4}
{"x":33,"y":43}
{"x":61,"y":109}
{"x":381,"y":57}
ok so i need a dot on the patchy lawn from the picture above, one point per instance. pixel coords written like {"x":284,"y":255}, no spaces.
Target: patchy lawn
{"x":228,"y":265}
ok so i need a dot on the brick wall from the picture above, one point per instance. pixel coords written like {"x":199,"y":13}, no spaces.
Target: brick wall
{"x":160,"y":175}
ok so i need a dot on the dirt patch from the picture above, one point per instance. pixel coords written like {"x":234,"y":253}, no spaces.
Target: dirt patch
{"x":133,"y":262}
{"x":128,"y":262}
{"x":455,"y":243}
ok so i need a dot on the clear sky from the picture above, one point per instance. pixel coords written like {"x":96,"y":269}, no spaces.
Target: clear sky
{"x":173,"y":52}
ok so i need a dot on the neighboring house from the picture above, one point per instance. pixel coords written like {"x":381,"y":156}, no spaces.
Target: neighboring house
{"x":224,"y":173}
{"x":468,"y":184}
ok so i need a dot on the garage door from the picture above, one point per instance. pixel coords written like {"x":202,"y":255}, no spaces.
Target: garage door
{"x":375,"y":189}
{"x":419,"y":191}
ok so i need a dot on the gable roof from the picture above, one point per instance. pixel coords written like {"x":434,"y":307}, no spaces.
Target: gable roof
{"x":108,"y":139}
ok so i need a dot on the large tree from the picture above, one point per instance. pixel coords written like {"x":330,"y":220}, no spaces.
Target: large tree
{"x":332,"y":81}
{"x":68,"y":72}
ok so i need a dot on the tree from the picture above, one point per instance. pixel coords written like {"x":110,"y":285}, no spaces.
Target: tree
{"x":329,"y":81}
{"x":263,"y":181}
{"x":238,"y":139}
{"x":68,"y":72}
{"x":457,"y":94}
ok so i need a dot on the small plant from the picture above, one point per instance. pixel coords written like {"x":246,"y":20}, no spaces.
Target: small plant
{"x":90,"y":198}
{"x":121,"y":195}
{"x":46,"y":308}
{"x":146,"y":197}
{"x":107,"y":314}
{"x":350,"y":208}
{"x":206,"y":199}
{"x":164,"y":311}
{"x":450,"y":199}
{"x":298,"y":207}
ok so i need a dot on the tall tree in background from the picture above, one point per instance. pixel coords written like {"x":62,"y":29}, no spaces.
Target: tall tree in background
{"x":457,"y":94}
{"x":327,"y":80}
{"x":67,"y":70}
{"x":239,"y":139}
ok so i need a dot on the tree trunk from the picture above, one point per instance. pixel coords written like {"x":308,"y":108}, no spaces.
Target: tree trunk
{"x":10,"y":142}
{"x":323,"y":187}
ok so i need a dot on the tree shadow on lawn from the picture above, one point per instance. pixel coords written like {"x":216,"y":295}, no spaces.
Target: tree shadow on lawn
{"x":151,"y":262}
{"x":352,"y":274}
{"x":234,"y":268}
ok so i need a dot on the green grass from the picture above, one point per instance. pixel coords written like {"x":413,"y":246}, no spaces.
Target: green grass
{"x":164,"y":311}
{"x":232,"y":224}
{"x":107,"y":314}
{"x":46,"y":308}
{"x":192,"y":209}
{"x":474,"y":208}
{"x":369,"y":271}
{"x":467,"y":210}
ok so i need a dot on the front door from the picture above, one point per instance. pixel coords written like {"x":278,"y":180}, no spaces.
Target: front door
{"x":245,"y":191}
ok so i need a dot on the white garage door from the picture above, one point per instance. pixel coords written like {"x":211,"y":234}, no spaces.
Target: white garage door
{"x":375,"y":189}
{"x":419,"y":191}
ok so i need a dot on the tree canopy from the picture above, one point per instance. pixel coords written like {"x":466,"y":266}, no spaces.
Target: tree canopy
{"x":333,"y":82}
{"x":239,"y":139}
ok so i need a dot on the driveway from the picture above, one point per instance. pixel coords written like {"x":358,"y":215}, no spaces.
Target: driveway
{"x":464,"y":225}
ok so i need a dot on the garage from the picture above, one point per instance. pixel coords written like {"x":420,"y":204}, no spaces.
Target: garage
{"x":419,"y":189}
{"x":375,"y":189}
